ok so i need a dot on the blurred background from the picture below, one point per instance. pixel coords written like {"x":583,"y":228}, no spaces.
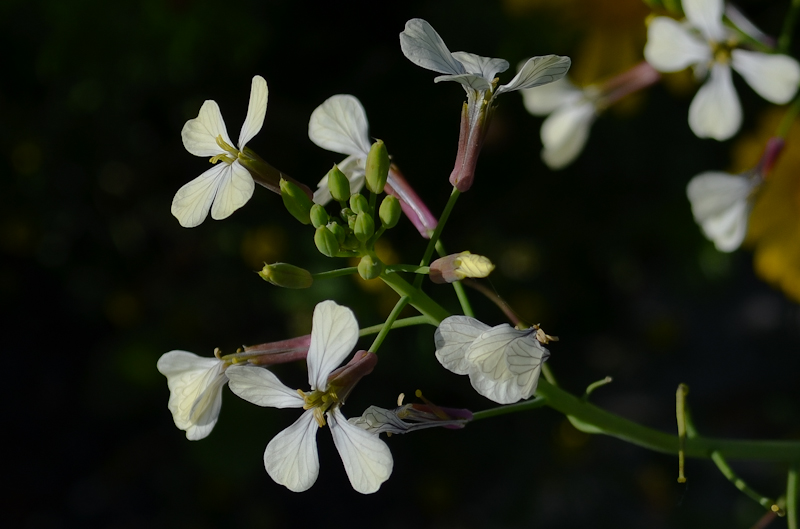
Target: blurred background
{"x":98,"y":279}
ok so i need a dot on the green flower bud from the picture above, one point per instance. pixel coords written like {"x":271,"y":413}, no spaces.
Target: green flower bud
{"x":358,"y":203}
{"x":346,"y":213}
{"x":390,"y":211}
{"x":338,"y":230}
{"x":326,"y":242}
{"x":364,"y":227}
{"x":370,"y":267}
{"x":338,"y":184}
{"x":286,"y":275}
{"x":319,"y":217}
{"x":377,"y":167}
{"x":296,"y":201}
{"x":350,"y":242}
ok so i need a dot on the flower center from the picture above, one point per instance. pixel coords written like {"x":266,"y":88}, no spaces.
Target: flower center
{"x":227,"y":158}
{"x":722,"y":51}
{"x":319,"y":402}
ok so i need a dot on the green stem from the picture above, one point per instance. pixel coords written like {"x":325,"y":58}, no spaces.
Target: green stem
{"x":387,"y":325}
{"x":335,"y":273}
{"x":463,"y":299}
{"x":728,"y":472}
{"x":414,"y":269}
{"x":398,"y":324}
{"x":785,"y":38}
{"x":426,"y":257}
{"x":418,"y":299}
{"x":788,"y":119}
{"x":793,"y":496}
{"x":511,"y":408}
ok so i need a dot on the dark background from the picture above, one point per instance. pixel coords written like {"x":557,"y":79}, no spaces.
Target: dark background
{"x":98,"y":279}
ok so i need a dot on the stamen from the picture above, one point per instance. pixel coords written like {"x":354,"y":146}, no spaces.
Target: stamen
{"x":218,"y":353}
{"x":225,"y":147}
{"x":434,"y":408}
{"x":400,"y":398}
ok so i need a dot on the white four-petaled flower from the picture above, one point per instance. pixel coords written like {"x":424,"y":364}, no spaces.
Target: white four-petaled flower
{"x":228,"y":185}
{"x":503,"y":363}
{"x":195,"y":391}
{"x":706,"y":44}
{"x":721,"y":206}
{"x":291,"y":456}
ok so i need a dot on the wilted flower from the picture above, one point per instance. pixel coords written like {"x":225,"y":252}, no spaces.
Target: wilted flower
{"x":410,"y":417}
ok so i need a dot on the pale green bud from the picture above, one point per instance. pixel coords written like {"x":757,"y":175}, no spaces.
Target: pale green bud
{"x":390,"y":211}
{"x":346,"y":213}
{"x":296,"y":201}
{"x":326,"y":242}
{"x":350,"y":242}
{"x":319,"y":217}
{"x":364,"y":227}
{"x":338,"y":230}
{"x":377,"y":167}
{"x":455,"y":267}
{"x":338,"y":184}
{"x":370,"y":267}
{"x":286,"y":275}
{"x":358,"y":203}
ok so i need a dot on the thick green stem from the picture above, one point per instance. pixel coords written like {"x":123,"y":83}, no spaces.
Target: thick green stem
{"x":414,"y":269}
{"x":398,"y":324}
{"x":387,"y":325}
{"x":418,"y":299}
{"x":793,"y":496}
{"x":426,"y":258}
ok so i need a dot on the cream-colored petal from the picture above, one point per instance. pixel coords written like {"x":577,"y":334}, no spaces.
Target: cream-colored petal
{"x":261,"y":387}
{"x":200,"y":134}
{"x":340,"y":125}
{"x":545,"y":99}
{"x":452,"y":338}
{"x":192,"y":201}
{"x":525,"y":357}
{"x":367,"y":459}
{"x":715,"y":111}
{"x":486,"y":67}
{"x":291,"y":457}
{"x":706,"y":15}
{"x":719,"y":204}
{"x":564,"y":133}
{"x":334,"y":333}
{"x":671,"y":47}
{"x":235,"y":189}
{"x":256,"y":110}
{"x":773,"y":77}
{"x":423,"y":46}
{"x":537,"y":71}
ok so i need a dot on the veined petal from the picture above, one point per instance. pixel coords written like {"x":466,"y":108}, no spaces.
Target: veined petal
{"x":537,"y":71}
{"x":486,"y":67}
{"x":564,"y":133}
{"x":500,"y":390}
{"x":452,"y":338}
{"x":353,"y":169}
{"x":671,"y":47}
{"x":706,"y":15}
{"x":192,"y":201}
{"x":773,"y":77}
{"x":256,"y":110}
{"x":488,"y":351}
{"x":524,"y":357}
{"x":199,"y":135}
{"x":367,"y":459}
{"x":340,"y":125}
{"x":334,"y":333}
{"x":545,"y":99}
{"x":236,"y":186}
{"x":261,"y":387}
{"x":715,"y":111}
{"x":424,"y":47}
{"x":468,"y":80}
{"x":720,"y":206}
{"x":291,"y":457}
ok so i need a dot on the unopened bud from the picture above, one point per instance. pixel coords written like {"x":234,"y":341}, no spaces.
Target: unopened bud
{"x":364,"y":226}
{"x":370,"y":267}
{"x":338,"y":184}
{"x":390,"y":211}
{"x":358,"y":203}
{"x":456,"y":267}
{"x":286,"y":275}
{"x":377,"y":167}
{"x":326,"y":242}
{"x":350,"y":242}
{"x":339,"y":231}
{"x":319,"y":217}
{"x":296,"y":201}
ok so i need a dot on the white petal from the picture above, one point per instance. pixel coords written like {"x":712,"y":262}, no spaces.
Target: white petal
{"x":524,"y":357}
{"x":545,"y":99}
{"x":706,"y":15}
{"x":424,"y":47}
{"x":536,"y":72}
{"x":487,"y":352}
{"x":502,"y":390}
{"x":353,"y":169}
{"x":261,"y":387}
{"x":291,"y":457}
{"x":720,"y":206}
{"x":340,"y":125}
{"x":334,"y":333}
{"x":236,"y":186}
{"x":256,"y":110}
{"x":200,"y":134}
{"x":486,"y":67}
{"x":715,"y":111}
{"x":468,"y":80}
{"x":367,"y":460}
{"x":452,"y":338}
{"x":671,"y":47}
{"x":564,"y":133}
{"x":192,"y":201}
{"x":773,"y":77}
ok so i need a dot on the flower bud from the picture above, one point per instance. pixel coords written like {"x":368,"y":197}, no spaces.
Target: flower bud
{"x":390,"y":211}
{"x":339,"y":231}
{"x":319,"y":217}
{"x":358,"y":203}
{"x":370,"y":267}
{"x":296,"y":201}
{"x":364,"y":226}
{"x":346,"y":213}
{"x":456,"y":267}
{"x":326,"y":241}
{"x":377,"y":167}
{"x":338,"y":184}
{"x":350,"y":242}
{"x":286,"y":275}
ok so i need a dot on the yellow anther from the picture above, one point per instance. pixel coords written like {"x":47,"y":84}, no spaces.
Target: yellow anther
{"x":226,"y":147}
{"x":217,"y":353}
{"x":400,"y":398}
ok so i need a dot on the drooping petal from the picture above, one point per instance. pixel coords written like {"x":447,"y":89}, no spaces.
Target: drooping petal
{"x":720,"y":206}
{"x":334,"y":333}
{"x":536,"y":72}
{"x":199,"y":135}
{"x":545,"y":99}
{"x":340,"y":125}
{"x":773,"y":77}
{"x":671,"y":47}
{"x":192,"y":201}
{"x":424,"y":47}
{"x":486,"y":67}
{"x":261,"y":387}
{"x":236,"y":186}
{"x":706,"y":15}
{"x":715,"y":111}
{"x":452,"y":338}
{"x":291,"y":457}
{"x":353,"y":168}
{"x":500,"y":390}
{"x":256,"y":110}
{"x":367,"y":459}
{"x":564,"y":133}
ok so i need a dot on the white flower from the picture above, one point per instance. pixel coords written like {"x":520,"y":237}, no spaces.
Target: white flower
{"x":721,"y":205}
{"x":706,"y":44}
{"x":571,"y":113}
{"x":503,"y":363}
{"x":340,"y":125}
{"x":195,"y":391}
{"x":291,"y":456}
{"x":228,"y":185}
